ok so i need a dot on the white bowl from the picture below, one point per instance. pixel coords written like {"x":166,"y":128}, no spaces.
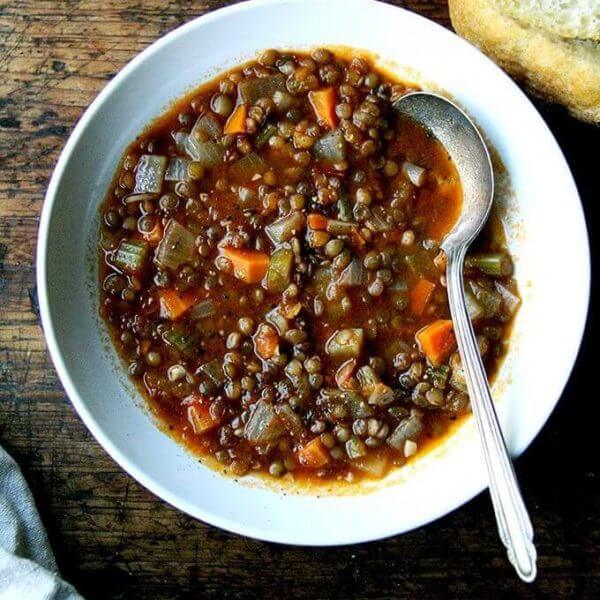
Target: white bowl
{"x":546,"y":231}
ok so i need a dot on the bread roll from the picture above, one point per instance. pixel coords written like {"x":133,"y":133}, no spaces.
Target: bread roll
{"x":557,"y":68}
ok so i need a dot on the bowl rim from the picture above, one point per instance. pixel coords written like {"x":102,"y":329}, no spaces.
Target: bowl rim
{"x":50,"y":331}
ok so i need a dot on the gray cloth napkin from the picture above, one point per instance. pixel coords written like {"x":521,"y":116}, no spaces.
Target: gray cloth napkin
{"x":28,"y":569}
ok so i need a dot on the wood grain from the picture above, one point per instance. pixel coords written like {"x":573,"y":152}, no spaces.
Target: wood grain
{"x":113,"y":539}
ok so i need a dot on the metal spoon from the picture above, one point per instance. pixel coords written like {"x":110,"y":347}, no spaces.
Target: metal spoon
{"x":465,"y":145}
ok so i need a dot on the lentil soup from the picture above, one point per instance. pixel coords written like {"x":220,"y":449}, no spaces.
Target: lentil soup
{"x":271,"y":272}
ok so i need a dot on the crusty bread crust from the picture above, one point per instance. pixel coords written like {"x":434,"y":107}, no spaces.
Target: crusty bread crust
{"x":577,"y":19}
{"x":564,"y":71}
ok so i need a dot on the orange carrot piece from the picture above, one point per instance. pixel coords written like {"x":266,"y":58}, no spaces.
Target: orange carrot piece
{"x":248,"y":265}
{"x":173,"y":304}
{"x":313,"y":455}
{"x":437,"y":341}
{"x":419,"y":296}
{"x":237,"y":120}
{"x":317,"y":221}
{"x":198,"y":414}
{"x":266,"y":341}
{"x":323,"y":103}
{"x":154,"y":236}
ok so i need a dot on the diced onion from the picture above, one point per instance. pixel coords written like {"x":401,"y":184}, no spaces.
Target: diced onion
{"x":264,"y":425}
{"x":208,"y":154}
{"x":177,"y":169}
{"x":135,"y":197}
{"x":354,"y":275}
{"x":206,"y":128}
{"x":150,"y":173}
{"x":177,"y":246}
{"x":410,"y":448}
{"x":180,"y":139}
{"x":331,"y":148}
{"x":414,"y":173}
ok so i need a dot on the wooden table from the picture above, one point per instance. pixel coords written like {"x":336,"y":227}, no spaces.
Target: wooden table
{"x":114,"y":539}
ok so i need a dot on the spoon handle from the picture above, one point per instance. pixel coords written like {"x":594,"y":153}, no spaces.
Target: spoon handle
{"x":514,"y":525}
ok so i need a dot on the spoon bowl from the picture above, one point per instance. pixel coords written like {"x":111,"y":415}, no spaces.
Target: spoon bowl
{"x":456,"y":132}
{"x":463,"y":142}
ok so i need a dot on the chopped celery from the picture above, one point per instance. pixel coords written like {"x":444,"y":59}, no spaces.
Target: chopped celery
{"x":331,"y":148}
{"x":438,"y":376}
{"x":214,"y":371}
{"x":252,"y":90}
{"x":458,"y":381}
{"x":344,"y":208}
{"x":204,"y":309}
{"x":345,"y":343}
{"x":183,"y":339}
{"x":376,"y":221}
{"x":342,"y":404}
{"x":368,"y":379}
{"x":267,"y":132}
{"x":408,"y":429}
{"x":381,"y":395}
{"x":355,"y":448}
{"x":422,"y":265}
{"x":177,"y":246}
{"x":337,"y":227}
{"x":300,"y":383}
{"x":285,"y":228}
{"x":247,"y":167}
{"x":489,"y":300}
{"x":131,"y":255}
{"x":280,"y":269}
{"x":473,"y":307}
{"x":494,"y":264}
{"x":264,"y":425}
{"x":150,"y":173}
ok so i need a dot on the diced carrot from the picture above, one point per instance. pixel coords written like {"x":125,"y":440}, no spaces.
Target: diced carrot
{"x":437,"y":341}
{"x":154,"y":236}
{"x":248,"y":265}
{"x":145,"y":346}
{"x":198,"y":414}
{"x":317,"y":221}
{"x":419,"y":296}
{"x":323,"y":103}
{"x":313,"y":455}
{"x":266,"y":341}
{"x":173,"y":304}
{"x":237,"y":120}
